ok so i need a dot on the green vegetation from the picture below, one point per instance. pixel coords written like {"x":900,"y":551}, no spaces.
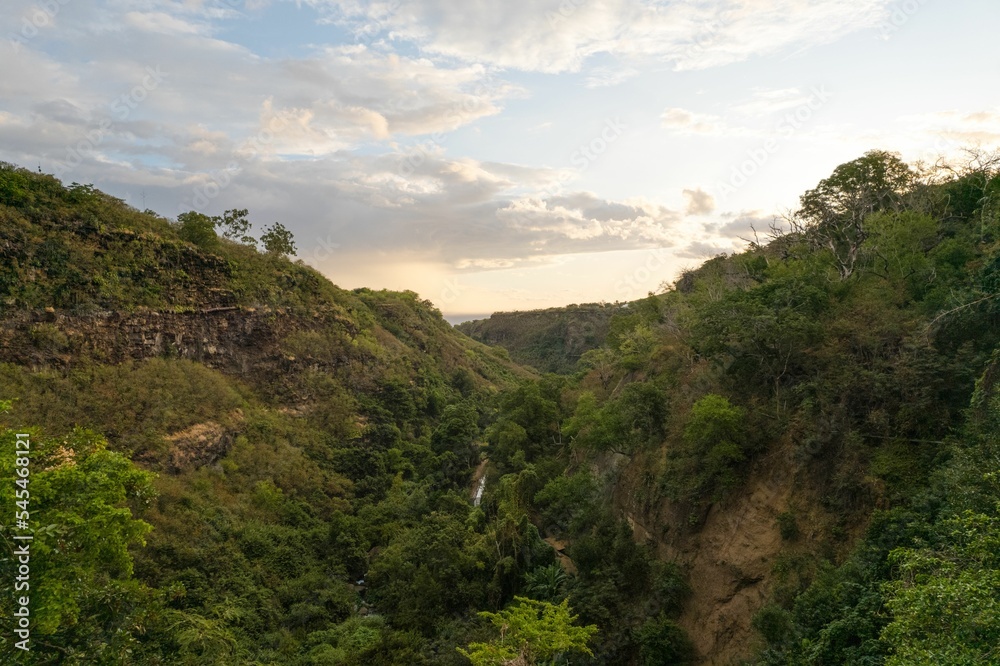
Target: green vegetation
{"x":840,"y":358}
{"x":531,"y":632}
{"x":552,"y":340}
{"x":81,"y":498}
{"x":284,"y":468}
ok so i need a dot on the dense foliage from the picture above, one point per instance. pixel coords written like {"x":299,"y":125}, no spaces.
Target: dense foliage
{"x":551,"y":340}
{"x":322,"y":514}
{"x":841,"y":357}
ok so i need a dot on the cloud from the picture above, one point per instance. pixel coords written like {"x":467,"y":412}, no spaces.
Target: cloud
{"x":463,"y":214}
{"x":163,"y":23}
{"x":755,"y":117}
{"x":703,"y":250}
{"x":330,"y":99}
{"x":931,"y":136}
{"x":683,"y":121}
{"x":741,"y":225}
{"x":698,"y":202}
{"x":347,"y":144}
{"x":601,"y":77}
{"x":561,"y":35}
{"x":957,"y":128}
{"x":582,"y":222}
{"x":766,"y":102}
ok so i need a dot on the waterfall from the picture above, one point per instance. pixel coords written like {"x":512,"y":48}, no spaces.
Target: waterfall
{"x":480,"y":489}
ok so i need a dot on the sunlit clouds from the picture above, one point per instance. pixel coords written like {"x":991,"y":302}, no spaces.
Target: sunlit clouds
{"x":508,"y":153}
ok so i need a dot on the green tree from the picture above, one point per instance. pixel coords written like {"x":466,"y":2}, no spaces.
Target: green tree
{"x":427,"y":573}
{"x":546,"y":583}
{"x":278,"y":240}
{"x":603,"y":362}
{"x":235,"y":226}
{"x":528,"y":426}
{"x":715,"y":438}
{"x":946,"y":605}
{"x":82,"y":597}
{"x":457,"y":434}
{"x":663,"y":643}
{"x":198,"y":229}
{"x":945,"y":599}
{"x":632,"y":420}
{"x":834,"y":211}
{"x":531,"y":632}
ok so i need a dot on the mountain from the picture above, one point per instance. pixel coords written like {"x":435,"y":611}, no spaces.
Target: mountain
{"x":788,"y":457}
{"x":286,"y":428}
{"x":550,"y":340}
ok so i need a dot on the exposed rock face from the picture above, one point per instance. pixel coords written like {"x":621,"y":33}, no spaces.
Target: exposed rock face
{"x":234,"y":340}
{"x":731,"y":553}
{"x":201,"y":444}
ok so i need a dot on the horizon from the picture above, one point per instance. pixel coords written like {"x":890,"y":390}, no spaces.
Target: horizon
{"x":527,"y":156}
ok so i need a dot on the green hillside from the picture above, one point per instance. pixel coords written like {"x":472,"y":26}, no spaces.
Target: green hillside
{"x":790,"y":457}
{"x":285,"y":431}
{"x":550,"y":340}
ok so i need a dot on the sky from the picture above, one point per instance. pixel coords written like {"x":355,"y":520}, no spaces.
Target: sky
{"x":491,"y":155}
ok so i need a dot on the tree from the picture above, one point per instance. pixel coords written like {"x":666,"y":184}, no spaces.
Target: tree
{"x":945,"y":601}
{"x":546,"y":583}
{"x":716,"y":436}
{"x":625,"y":424}
{"x":637,"y":416}
{"x":531,"y":632}
{"x":527,"y":428}
{"x":278,"y":240}
{"x":636,"y":347}
{"x":83,"y":598}
{"x":236,"y":226}
{"x":663,"y":643}
{"x":603,"y":361}
{"x":946,"y":607}
{"x":833,"y":213}
{"x":427,"y":573}
{"x":456,"y":433}
{"x":198,"y":229}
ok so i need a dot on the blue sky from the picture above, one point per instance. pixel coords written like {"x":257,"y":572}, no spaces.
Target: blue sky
{"x":491,"y":155}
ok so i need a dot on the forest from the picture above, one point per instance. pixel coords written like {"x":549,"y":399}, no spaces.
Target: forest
{"x":236,"y":462}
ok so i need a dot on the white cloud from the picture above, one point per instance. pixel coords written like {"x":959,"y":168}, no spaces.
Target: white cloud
{"x":683,"y":121}
{"x":216,"y":101}
{"x":765,"y":102}
{"x":601,"y":77}
{"x":698,"y":202}
{"x":958,"y":128}
{"x":742,"y":225}
{"x":349,"y":145}
{"x":928,"y":136}
{"x":163,"y":23}
{"x":560,"y":35}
